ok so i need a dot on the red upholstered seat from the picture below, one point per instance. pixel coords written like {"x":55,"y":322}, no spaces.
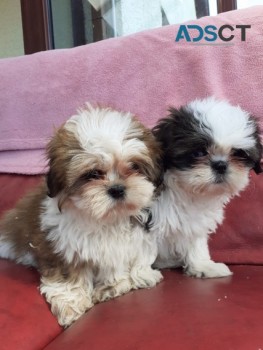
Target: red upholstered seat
{"x":25,"y":319}
{"x":180,"y":313}
{"x":240,"y":239}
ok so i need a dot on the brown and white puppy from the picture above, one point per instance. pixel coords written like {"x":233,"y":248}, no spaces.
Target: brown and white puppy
{"x":81,"y":228}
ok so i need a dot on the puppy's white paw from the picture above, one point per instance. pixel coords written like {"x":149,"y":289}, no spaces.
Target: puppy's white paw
{"x":208,"y":269}
{"x":145,"y":277}
{"x":67,"y":313}
{"x":104,"y":292}
{"x":68,"y":302}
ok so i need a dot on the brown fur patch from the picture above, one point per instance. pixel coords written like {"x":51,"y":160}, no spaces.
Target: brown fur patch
{"x":60,"y":150}
{"x":155,"y":172}
{"x":21,"y":225}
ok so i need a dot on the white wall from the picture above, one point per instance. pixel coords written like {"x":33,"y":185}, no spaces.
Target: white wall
{"x":248,"y":3}
{"x":133,"y":16}
{"x":11,"y":33}
{"x":213,"y":7}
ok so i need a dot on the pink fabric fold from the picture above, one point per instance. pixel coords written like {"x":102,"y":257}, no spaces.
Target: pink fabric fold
{"x":143,"y":73}
{"x":24,"y":162}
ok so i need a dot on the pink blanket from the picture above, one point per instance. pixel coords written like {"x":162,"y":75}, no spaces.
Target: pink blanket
{"x":142,"y":73}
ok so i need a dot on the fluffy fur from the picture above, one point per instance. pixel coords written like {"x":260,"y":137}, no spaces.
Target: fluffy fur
{"x":209,"y":148}
{"x":83,"y":228}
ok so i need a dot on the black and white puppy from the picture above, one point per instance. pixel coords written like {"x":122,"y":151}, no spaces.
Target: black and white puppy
{"x":209,"y":148}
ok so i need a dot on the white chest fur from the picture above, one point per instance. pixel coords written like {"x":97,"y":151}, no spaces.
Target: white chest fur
{"x":108,"y":246}
{"x":180,"y":217}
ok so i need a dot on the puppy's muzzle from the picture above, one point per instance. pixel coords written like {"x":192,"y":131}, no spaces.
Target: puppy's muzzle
{"x":117,"y":191}
{"x":220,"y":167}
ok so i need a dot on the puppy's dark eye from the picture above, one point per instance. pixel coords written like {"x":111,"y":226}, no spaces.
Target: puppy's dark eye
{"x":199,"y":153}
{"x":135,"y":167}
{"x":93,"y":175}
{"x":239,"y":153}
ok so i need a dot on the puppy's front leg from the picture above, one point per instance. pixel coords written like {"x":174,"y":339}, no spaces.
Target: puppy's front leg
{"x":68,"y":299}
{"x":197,"y":262}
{"x":106,"y":291}
{"x":139,"y":277}
{"x":145,"y":277}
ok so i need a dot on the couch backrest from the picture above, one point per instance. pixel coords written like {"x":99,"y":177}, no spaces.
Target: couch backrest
{"x":143,"y":73}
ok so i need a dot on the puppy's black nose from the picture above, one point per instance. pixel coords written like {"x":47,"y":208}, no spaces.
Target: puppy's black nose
{"x":220,"y":166}
{"x":117,"y":191}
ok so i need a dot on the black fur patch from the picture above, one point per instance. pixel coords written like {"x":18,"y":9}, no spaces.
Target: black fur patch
{"x":145,"y":220}
{"x":181,"y":135}
{"x":252,"y":157}
{"x":256,"y":153}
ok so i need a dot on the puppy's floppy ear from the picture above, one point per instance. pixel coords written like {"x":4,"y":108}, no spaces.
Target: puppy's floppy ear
{"x":165,"y":128}
{"x":256,"y":153}
{"x":164,"y":134}
{"x":155,"y":172}
{"x":54,"y":184}
{"x":57,"y":154}
{"x":55,"y":176}
{"x":258,"y":168}
{"x":60,"y":151}
{"x":258,"y":164}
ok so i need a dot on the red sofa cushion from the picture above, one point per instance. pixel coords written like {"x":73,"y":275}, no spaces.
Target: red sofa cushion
{"x":180,"y":313}
{"x":240,"y":239}
{"x":26,"y":322}
{"x":14,"y":187}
